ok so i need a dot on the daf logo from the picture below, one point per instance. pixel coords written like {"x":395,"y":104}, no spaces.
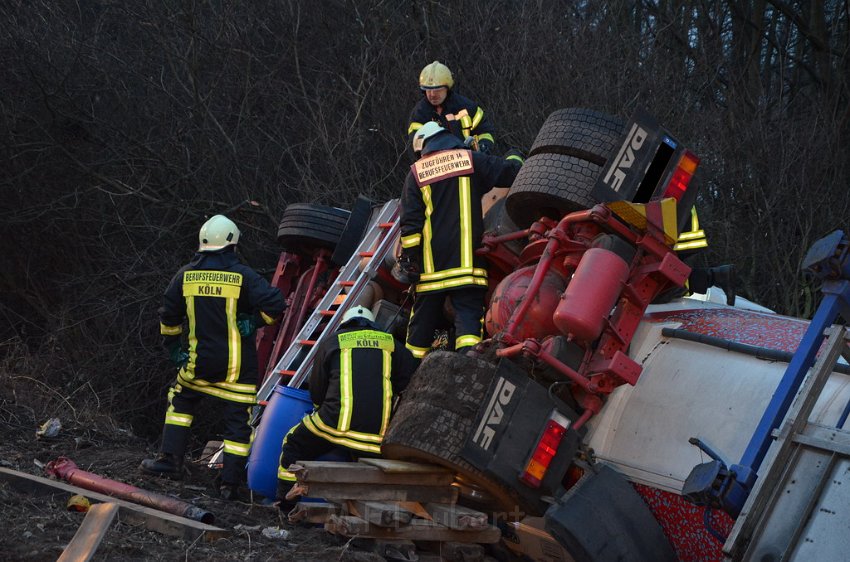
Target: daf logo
{"x":494,"y":413}
{"x":625,"y":158}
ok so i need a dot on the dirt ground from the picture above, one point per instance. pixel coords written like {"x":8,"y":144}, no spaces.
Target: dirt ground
{"x":39,"y":528}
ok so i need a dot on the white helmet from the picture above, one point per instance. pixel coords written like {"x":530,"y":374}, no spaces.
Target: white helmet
{"x":424,"y":133}
{"x":358,"y":311}
{"x":217,"y":233}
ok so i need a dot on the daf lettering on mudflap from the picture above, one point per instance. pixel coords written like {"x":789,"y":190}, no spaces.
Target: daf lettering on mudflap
{"x":625,"y":157}
{"x":494,"y":414}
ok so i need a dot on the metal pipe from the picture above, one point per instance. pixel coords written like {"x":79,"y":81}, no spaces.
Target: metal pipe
{"x":65,"y":469}
{"x":533,"y":287}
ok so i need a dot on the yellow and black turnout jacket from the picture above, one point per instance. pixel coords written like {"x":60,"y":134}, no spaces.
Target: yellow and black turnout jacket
{"x":355,"y":374}
{"x":209,"y":293}
{"x":441,"y":212}
{"x":459,"y":115}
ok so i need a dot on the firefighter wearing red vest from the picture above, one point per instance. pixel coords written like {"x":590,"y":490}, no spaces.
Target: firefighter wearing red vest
{"x":356,"y":373}
{"x":461,"y":116}
{"x":222,"y":301}
{"x":441,"y":227}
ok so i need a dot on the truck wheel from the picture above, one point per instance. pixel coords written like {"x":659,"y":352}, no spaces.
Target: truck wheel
{"x":436,"y":414}
{"x":306,"y":227}
{"x":567,"y":157}
{"x":583,"y":133}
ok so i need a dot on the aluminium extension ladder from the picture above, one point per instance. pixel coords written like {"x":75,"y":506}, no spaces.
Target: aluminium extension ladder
{"x":354,"y":276}
{"x":798,"y":509}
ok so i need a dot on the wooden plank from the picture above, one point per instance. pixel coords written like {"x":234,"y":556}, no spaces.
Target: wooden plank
{"x":417,"y":530}
{"x":313,"y":512}
{"x":462,"y":552}
{"x":456,"y":517}
{"x":90,"y":533}
{"x":382,"y":514}
{"x":396,"y":549}
{"x":406,"y":492}
{"x":406,"y":467}
{"x":416,"y":509}
{"x":364,"y":473}
{"x":134,"y":514}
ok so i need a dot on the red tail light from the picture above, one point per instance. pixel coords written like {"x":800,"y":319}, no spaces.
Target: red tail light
{"x":544,"y":452}
{"x":682,"y":176}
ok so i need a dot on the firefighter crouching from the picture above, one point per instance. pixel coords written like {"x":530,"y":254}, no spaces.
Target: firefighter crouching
{"x":441,"y":227}
{"x":355,"y":374}
{"x":223,"y":302}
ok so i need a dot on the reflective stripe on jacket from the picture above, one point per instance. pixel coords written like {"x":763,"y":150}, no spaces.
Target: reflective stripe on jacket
{"x":460,"y":115}
{"x":208,"y":294}
{"x":352,"y":383}
{"x":443,"y":219}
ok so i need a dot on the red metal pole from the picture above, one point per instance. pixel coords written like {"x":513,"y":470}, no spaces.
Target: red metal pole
{"x":65,"y":469}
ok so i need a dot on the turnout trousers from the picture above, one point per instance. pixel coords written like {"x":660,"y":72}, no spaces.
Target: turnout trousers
{"x":182,"y":405}
{"x":427,"y":315}
{"x":301,"y":444}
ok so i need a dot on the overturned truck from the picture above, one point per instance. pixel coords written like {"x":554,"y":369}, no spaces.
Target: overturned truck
{"x":603,"y":403}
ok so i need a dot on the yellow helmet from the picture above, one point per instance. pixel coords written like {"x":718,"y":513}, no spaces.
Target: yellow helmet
{"x":435,"y":75}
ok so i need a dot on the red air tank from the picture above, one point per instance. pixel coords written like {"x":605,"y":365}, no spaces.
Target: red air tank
{"x":591,"y":294}
{"x":512,"y":290}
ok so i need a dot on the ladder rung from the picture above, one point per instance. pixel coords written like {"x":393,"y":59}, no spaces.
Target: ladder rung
{"x":263,"y":402}
{"x":366,"y":254}
{"x":386,"y":225}
{"x":347,"y":283}
{"x":327,"y":312}
{"x":286,"y":373}
{"x":307,"y":342}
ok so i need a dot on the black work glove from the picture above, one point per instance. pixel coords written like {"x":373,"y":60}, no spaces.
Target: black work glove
{"x":178,"y":356}
{"x":406,"y":268}
{"x":246,"y":323}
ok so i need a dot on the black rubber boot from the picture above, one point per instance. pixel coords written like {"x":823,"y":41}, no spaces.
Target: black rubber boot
{"x":165,"y":464}
{"x":723,"y":276}
{"x":229,"y":492}
{"x":283,"y":487}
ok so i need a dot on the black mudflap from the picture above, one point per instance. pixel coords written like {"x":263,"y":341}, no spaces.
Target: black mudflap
{"x":508,"y":425}
{"x":603,"y":519}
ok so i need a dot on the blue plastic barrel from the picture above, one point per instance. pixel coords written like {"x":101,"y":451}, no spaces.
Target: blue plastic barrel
{"x":285,"y":409}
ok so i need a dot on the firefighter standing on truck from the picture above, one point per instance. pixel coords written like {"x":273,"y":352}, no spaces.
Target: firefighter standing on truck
{"x":224,"y":301}
{"x":441,"y":227}
{"x":461,"y":116}
{"x":355,"y":374}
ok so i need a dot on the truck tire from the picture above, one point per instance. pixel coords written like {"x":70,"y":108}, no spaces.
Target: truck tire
{"x":306,"y":227}
{"x":566,"y":159}
{"x":436,"y":414}
{"x":551,"y":185}
{"x":583,"y":133}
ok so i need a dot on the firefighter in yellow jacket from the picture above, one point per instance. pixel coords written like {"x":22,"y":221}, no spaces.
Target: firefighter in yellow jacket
{"x":355,"y":374}
{"x":441,"y":227}
{"x":222,"y":301}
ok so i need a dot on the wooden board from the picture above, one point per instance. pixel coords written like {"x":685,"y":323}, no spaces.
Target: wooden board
{"x":134,"y":514}
{"x":417,"y":530}
{"x":382,"y":514}
{"x":313,"y":512}
{"x":399,"y":492}
{"x":90,"y":533}
{"x":368,"y":473}
{"x":456,"y":517}
{"x":406,"y":467}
